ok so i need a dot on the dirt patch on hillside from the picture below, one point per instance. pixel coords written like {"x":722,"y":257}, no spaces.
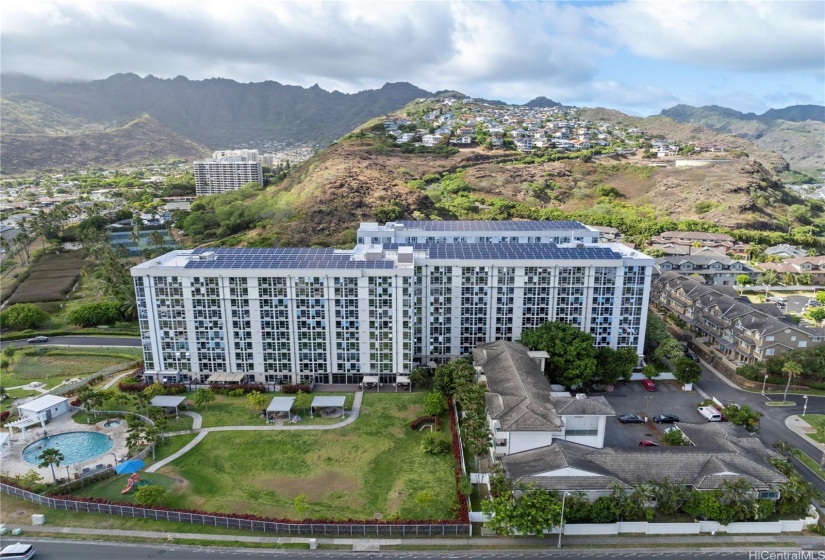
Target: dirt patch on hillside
{"x":316,"y":488}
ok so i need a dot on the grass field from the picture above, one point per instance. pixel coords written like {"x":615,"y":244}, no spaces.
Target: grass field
{"x":816,"y":421}
{"x":374,"y":465}
{"x":51,"y":366}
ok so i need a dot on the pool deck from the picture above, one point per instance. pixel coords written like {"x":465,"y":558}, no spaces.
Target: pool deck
{"x":14,"y":464}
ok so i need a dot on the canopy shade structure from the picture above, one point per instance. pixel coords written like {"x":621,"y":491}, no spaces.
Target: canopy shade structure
{"x":168,"y":401}
{"x":130,"y":466}
{"x":224,"y":377}
{"x":328,"y":402}
{"x":279,"y":405}
{"x":370,"y":381}
{"x":402,"y":380}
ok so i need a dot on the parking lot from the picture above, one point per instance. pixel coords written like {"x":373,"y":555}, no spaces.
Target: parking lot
{"x":631,"y":398}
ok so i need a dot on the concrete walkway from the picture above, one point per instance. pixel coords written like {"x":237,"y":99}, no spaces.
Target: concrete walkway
{"x":202,"y":432}
{"x":111,"y":383}
{"x":674,"y":544}
{"x":800,"y":427}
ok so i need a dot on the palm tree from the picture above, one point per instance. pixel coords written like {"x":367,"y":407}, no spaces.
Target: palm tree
{"x":739,"y":497}
{"x":791,"y":369}
{"x":50,"y":457}
{"x":669,"y":495}
{"x":156,"y":238}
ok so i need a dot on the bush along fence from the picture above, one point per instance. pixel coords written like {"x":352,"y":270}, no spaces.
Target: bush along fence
{"x":245,"y":522}
{"x":458,"y":455}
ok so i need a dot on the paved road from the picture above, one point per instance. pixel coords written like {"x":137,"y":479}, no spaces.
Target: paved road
{"x":772,"y":425}
{"x":73,"y":550}
{"x":104,"y":341}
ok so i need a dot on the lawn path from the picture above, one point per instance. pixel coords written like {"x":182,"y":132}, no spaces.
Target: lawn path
{"x":117,"y":378}
{"x":356,"y":410}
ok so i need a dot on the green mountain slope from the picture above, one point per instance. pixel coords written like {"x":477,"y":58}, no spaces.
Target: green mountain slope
{"x":797,"y":132}
{"x":141,"y":141}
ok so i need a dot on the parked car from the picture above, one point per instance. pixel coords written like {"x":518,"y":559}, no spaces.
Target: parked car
{"x":631,"y":419}
{"x":38,"y":339}
{"x":648,"y":384}
{"x":18,"y":551}
{"x":692,"y":355}
{"x":665,"y":418}
{"x":648,"y":443}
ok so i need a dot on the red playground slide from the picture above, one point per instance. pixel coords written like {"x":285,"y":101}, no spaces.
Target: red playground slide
{"x":132,"y":479}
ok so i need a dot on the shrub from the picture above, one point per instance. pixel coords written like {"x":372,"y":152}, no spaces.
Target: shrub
{"x":415,"y":424}
{"x":150,"y":494}
{"x":675,"y":437}
{"x":5,"y":415}
{"x":23,"y":316}
{"x":291,"y":388}
{"x":435,"y":404}
{"x":93,"y":314}
{"x":434,"y":444}
{"x":238,"y":390}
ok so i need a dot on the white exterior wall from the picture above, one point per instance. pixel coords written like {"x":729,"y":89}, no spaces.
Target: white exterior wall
{"x":52,"y":412}
{"x":597,"y":423}
{"x":524,"y":441}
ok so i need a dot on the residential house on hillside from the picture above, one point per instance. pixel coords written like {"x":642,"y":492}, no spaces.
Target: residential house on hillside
{"x":430,"y":140}
{"x":720,"y":241}
{"x":714,"y":269}
{"x":524,"y":143}
{"x":723,"y":452}
{"x":738,"y":330}
{"x":815,"y":266}
{"x":524,"y":412}
{"x":785,"y":251}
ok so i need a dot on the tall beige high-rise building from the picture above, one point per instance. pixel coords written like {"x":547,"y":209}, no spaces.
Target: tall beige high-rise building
{"x":228,"y":170}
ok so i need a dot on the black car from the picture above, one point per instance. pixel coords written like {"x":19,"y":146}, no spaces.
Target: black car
{"x":665,"y":418}
{"x":38,"y":340}
{"x":630,"y":419}
{"x":692,"y":355}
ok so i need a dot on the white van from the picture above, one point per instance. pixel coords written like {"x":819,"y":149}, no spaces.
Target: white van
{"x":710,"y":413}
{"x":17,"y":552}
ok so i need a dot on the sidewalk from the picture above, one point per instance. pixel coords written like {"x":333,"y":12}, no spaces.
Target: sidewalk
{"x":797,"y":425}
{"x":673,"y":544}
{"x":196,"y":429}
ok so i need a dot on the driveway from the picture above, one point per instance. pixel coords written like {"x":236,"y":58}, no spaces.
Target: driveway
{"x":796,"y":304}
{"x":632,"y":398}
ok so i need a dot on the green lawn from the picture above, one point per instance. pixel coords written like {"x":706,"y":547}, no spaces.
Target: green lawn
{"x":232,"y":411}
{"x":51,"y":366}
{"x":816,"y":421}
{"x":374,"y":465}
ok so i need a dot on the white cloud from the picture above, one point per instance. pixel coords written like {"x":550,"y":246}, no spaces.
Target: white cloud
{"x":733,"y":35}
{"x":494,"y":49}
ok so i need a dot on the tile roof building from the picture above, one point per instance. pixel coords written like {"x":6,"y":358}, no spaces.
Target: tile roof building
{"x":522,"y":410}
{"x":722,"y":452}
{"x":739,"y":330}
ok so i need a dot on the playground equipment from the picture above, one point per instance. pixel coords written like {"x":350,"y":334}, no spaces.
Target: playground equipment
{"x":131,"y":482}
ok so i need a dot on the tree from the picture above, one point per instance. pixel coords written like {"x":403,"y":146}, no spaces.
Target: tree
{"x":686,"y":371}
{"x":669,"y":496}
{"x":572,"y":360}
{"x":820,"y":297}
{"x":93,"y":314}
{"x":300,"y":505}
{"x":4,"y":364}
{"x":9,"y":352}
{"x":31,"y":478}
{"x":91,"y":399}
{"x":156,"y":239}
{"x":669,"y":350}
{"x":255,"y":401}
{"x":21,"y":316}
{"x":156,"y":389}
{"x":613,"y":365}
{"x":420,"y":377}
{"x":817,"y":314}
{"x":791,"y":369}
{"x":532,"y":513}
{"x":743,"y":280}
{"x":203,"y":396}
{"x":50,"y":457}
{"x":738,"y":496}
{"x":150,"y":494}
{"x":675,"y":438}
{"x":435,"y":404}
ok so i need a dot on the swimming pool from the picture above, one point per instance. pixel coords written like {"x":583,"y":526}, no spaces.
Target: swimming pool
{"x":76,"y":447}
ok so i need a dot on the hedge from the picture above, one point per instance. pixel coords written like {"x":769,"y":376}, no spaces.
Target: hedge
{"x":244,"y":387}
{"x":296,"y":388}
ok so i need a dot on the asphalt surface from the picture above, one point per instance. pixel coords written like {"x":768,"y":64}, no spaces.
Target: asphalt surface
{"x":103,"y":341}
{"x":73,"y":550}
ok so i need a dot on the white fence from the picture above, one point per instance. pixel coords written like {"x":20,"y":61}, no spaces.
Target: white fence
{"x":645,"y":528}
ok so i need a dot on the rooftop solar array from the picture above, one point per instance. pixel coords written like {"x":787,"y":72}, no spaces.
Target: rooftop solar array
{"x":280,"y":258}
{"x":517,"y":251}
{"x":491,"y":225}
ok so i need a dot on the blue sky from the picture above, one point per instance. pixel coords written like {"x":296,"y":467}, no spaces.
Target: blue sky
{"x":638,"y":57}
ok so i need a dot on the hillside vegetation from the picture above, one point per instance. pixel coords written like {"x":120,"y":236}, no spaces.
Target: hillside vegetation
{"x":322,"y":202}
{"x":141,"y":141}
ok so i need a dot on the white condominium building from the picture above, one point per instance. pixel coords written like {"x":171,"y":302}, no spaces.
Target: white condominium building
{"x":289,"y":315}
{"x":228,"y":170}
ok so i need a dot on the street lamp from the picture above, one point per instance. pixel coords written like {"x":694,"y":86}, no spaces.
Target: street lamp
{"x":805,"y":406}
{"x":763,"y":383}
{"x":561,"y":525}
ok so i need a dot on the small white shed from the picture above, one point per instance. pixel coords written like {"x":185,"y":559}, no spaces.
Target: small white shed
{"x":50,"y":405}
